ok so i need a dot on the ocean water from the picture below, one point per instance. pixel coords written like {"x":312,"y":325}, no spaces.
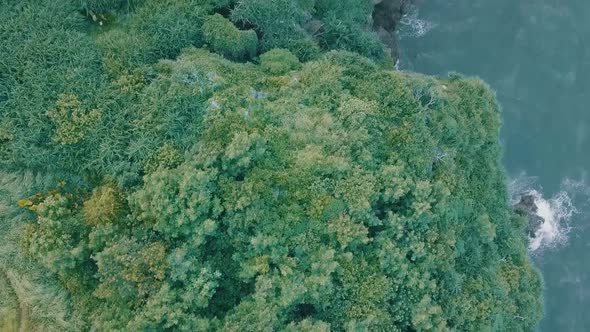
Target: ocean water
{"x":536,"y":55}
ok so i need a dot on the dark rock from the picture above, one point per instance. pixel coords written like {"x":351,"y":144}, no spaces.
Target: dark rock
{"x":535,"y":223}
{"x":387,"y":13}
{"x":526,"y":205}
{"x":527,"y":208}
{"x":386,"y":16}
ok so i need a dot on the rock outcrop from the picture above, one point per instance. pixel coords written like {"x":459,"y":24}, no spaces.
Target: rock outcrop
{"x":527,"y":208}
{"x":386,"y":16}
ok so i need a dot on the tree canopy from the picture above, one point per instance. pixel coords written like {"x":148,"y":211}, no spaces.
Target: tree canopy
{"x":246,"y":165}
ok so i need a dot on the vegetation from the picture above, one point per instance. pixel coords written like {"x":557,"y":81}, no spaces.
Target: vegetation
{"x":224,"y":38}
{"x":246,"y":165}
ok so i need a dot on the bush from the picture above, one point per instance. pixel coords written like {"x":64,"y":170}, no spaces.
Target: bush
{"x":157,"y":29}
{"x":224,"y":38}
{"x":279,"y":21}
{"x":72,"y":122}
{"x":346,"y":25}
{"x":104,"y":206}
{"x":304,"y":26}
{"x":279,"y":62}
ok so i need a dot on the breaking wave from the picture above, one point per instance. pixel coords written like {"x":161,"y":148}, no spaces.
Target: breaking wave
{"x":557,"y":210}
{"x":412,"y":26}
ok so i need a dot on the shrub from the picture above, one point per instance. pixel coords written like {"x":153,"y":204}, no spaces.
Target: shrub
{"x":166,"y":157}
{"x":279,"y":21}
{"x":279,"y":62}
{"x":224,"y":38}
{"x":104,"y":206}
{"x":155,"y":30}
{"x":346,"y":25}
{"x":73,"y":123}
{"x":304,"y":26}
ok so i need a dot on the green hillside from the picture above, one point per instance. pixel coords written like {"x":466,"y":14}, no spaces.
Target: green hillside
{"x":246,"y":165}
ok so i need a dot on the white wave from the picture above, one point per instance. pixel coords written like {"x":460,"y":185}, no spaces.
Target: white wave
{"x":520,"y":185}
{"x":557,"y":210}
{"x":579,"y":188}
{"x":412,"y":25}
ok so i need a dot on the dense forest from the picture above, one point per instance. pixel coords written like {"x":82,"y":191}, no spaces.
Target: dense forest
{"x":246,"y":165}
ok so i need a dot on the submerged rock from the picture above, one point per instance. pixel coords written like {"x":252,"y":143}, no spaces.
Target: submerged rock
{"x":527,"y":208}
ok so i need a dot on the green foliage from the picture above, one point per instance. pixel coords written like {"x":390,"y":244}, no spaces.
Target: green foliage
{"x":30,"y":297}
{"x":129,"y":271}
{"x":320,"y":198}
{"x":71,"y":120}
{"x":279,"y":61}
{"x":55,"y":238}
{"x":166,"y":157}
{"x":104,"y":206}
{"x":280,"y":21}
{"x":224,"y":38}
{"x":102,"y":6}
{"x":210,"y":195}
{"x":305,"y":27}
{"x":188,"y":212}
{"x":43,"y":57}
{"x":157,"y":29}
{"x":345,"y":27}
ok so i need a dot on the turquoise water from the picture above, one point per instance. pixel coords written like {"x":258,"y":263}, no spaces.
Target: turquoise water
{"x":536,"y":55}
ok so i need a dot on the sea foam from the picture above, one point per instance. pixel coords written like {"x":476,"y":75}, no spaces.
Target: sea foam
{"x":557,"y":210}
{"x":412,"y":26}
